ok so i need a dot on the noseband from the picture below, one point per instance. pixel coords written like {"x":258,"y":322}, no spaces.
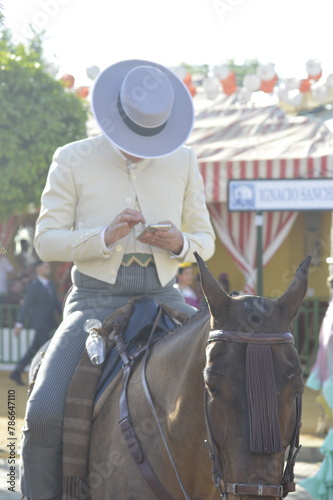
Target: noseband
{"x":271,"y":490}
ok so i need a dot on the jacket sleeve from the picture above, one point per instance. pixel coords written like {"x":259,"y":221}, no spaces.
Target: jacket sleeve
{"x":196,"y":224}
{"x":56,"y":237}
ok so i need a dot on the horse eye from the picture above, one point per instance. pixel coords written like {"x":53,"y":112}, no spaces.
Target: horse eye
{"x":212,"y":390}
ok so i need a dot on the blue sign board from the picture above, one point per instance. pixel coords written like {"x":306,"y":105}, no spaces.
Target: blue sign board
{"x":259,"y":195}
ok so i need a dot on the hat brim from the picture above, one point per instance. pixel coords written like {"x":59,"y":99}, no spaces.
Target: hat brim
{"x":105,"y":110}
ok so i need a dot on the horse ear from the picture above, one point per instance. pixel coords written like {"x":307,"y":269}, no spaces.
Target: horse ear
{"x":295,"y":293}
{"x":215,"y":295}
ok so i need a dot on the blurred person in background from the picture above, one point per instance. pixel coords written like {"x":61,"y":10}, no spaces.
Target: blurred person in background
{"x":185,"y":284}
{"x":43,"y":308}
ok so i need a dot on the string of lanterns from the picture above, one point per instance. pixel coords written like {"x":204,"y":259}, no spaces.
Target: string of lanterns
{"x":292,"y":93}
{"x":306,"y":92}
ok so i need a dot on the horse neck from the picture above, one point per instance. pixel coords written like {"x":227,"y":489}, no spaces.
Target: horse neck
{"x":183,"y":357}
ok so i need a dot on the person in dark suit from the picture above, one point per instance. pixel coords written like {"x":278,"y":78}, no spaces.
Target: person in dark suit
{"x":41,"y":305}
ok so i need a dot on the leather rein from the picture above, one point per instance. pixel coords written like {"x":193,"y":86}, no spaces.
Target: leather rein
{"x":268,"y":490}
{"x":126,"y":423}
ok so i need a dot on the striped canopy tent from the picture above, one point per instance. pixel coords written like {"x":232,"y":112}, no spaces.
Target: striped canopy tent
{"x":238,"y":142}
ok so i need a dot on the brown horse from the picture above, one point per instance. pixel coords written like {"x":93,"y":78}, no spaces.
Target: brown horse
{"x":237,"y":387}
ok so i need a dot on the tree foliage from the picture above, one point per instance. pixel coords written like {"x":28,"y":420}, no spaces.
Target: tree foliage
{"x":37,"y":115}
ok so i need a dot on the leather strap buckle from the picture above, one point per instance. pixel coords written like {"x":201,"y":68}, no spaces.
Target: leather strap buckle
{"x":234,"y":489}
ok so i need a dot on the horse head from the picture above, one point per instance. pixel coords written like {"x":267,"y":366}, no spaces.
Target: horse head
{"x":254,"y":383}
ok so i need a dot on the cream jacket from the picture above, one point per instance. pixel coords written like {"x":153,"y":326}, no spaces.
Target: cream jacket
{"x":88,"y":185}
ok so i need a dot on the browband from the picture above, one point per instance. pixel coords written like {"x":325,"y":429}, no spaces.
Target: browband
{"x":251,"y":338}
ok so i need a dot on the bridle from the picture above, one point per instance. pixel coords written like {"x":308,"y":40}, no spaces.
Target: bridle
{"x":287,"y":483}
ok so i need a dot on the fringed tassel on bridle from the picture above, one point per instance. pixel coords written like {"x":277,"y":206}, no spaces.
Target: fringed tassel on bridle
{"x":262,"y":400}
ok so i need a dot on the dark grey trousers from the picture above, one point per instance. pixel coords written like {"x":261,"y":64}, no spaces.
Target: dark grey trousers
{"x":41,"y":449}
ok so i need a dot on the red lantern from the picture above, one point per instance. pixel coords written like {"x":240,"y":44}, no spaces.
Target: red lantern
{"x":268,"y":85}
{"x":229,"y":85}
{"x":187,"y":79}
{"x":67,"y":81}
{"x":188,"y":82}
{"x":82,"y":92}
{"x":192,"y":89}
{"x":304,"y":85}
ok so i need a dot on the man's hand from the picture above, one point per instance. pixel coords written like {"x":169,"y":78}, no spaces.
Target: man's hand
{"x":122,"y":225}
{"x":171,"y":240}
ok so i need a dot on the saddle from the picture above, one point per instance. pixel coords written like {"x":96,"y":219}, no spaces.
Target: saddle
{"x":127,"y":332}
{"x":132,"y":336}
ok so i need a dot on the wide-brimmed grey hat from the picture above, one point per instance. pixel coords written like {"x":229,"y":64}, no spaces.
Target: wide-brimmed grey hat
{"x":143,"y":107}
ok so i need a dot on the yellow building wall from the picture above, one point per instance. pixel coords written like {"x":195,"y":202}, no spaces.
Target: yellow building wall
{"x":280,"y":269}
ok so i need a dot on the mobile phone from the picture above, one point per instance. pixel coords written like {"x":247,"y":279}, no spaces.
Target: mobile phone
{"x":151,"y":228}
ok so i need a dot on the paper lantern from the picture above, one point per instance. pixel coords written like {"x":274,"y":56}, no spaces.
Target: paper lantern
{"x":188,"y":82}
{"x":192,"y":89}
{"x":313,"y":68}
{"x":82,"y":92}
{"x":268,"y":85}
{"x":52,"y":69}
{"x":92,"y":72}
{"x":211,"y":87}
{"x":251,"y":83}
{"x":304,"y":85}
{"x":67,"y":81}
{"x":266,"y":72}
{"x":229,"y":85}
{"x":222,"y":72}
{"x":187,"y":79}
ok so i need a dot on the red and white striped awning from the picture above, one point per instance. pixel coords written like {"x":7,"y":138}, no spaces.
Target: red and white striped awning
{"x":258,"y":143}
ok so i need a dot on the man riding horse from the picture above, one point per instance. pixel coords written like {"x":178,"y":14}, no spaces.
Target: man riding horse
{"x":100,"y":194}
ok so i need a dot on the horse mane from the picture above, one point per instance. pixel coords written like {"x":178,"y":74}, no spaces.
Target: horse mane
{"x":200,"y":314}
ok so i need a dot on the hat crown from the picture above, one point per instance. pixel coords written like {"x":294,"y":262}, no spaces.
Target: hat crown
{"x":143,"y":108}
{"x":147,"y":96}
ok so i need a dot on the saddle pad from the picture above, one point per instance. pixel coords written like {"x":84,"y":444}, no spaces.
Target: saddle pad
{"x":135,"y":334}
